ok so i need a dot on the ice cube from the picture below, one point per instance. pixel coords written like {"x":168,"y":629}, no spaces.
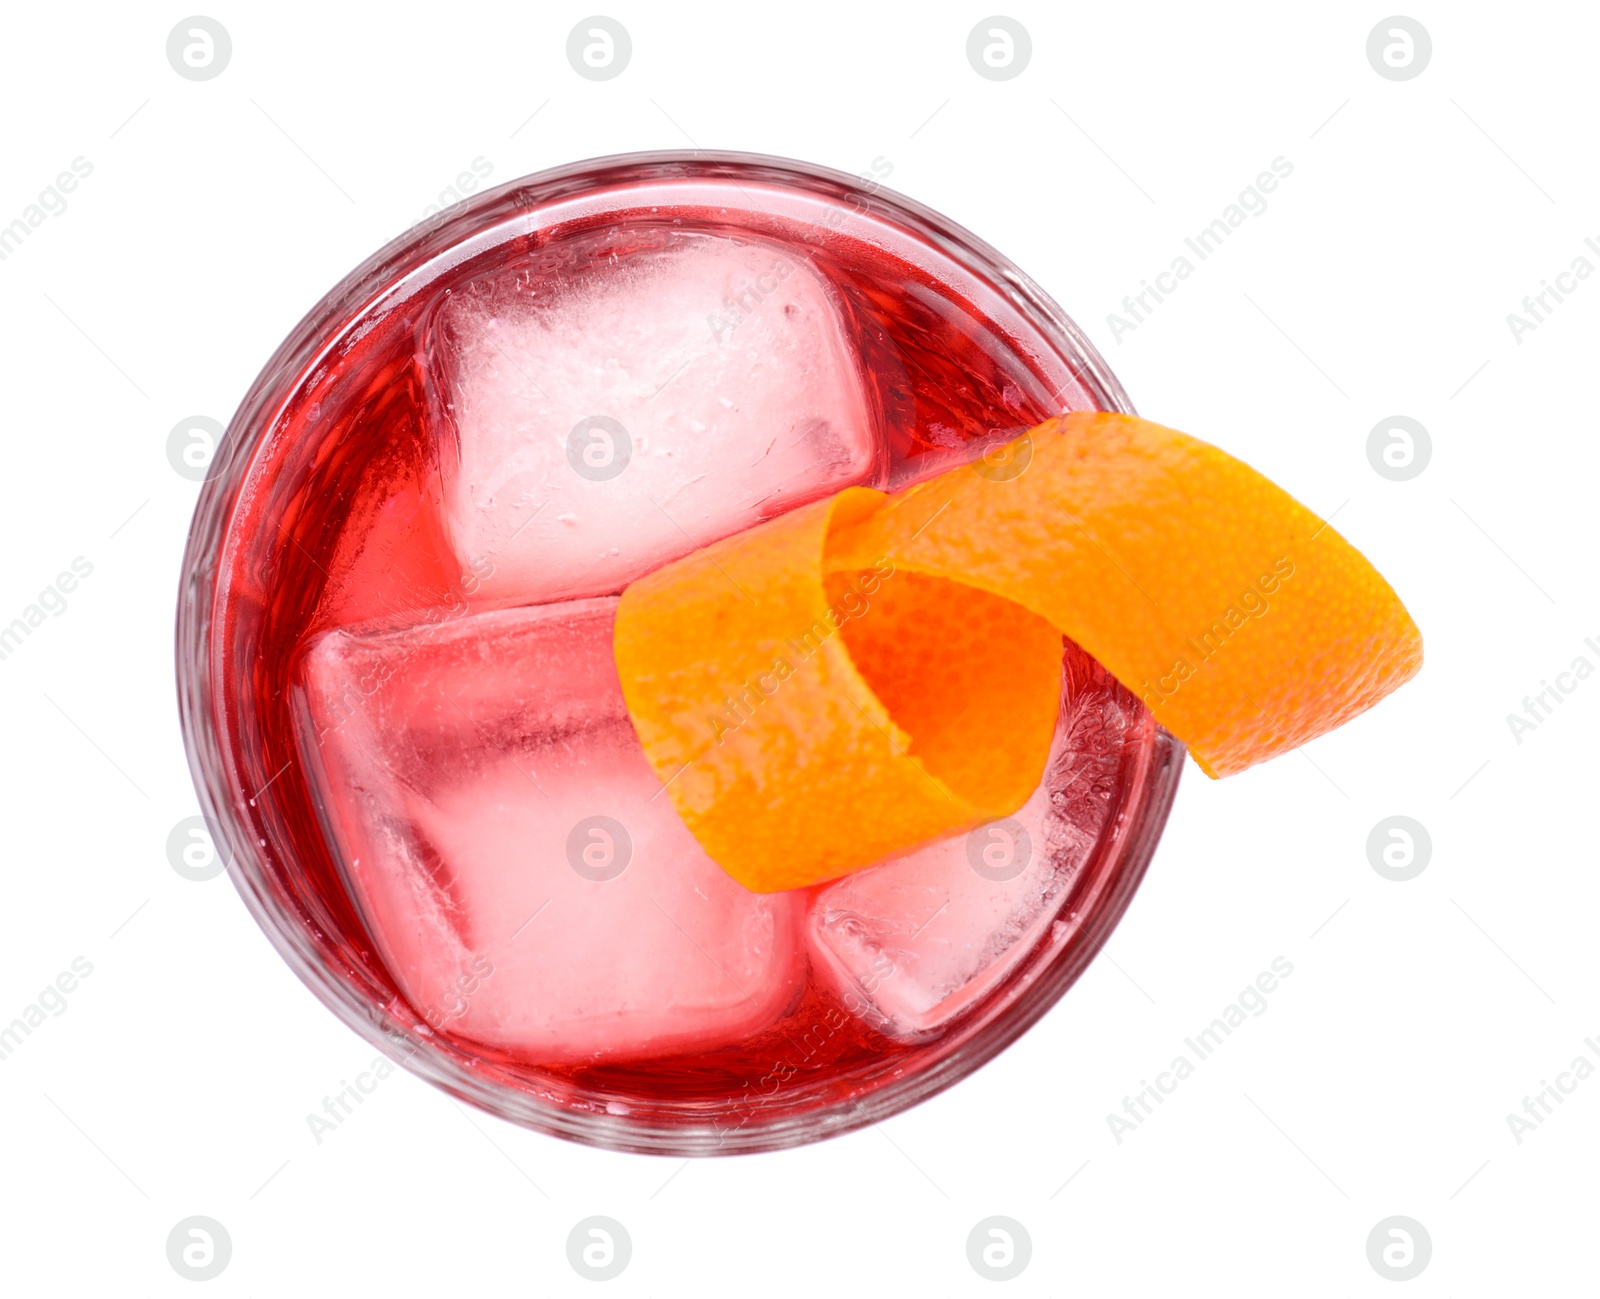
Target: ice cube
{"x":913,"y":942}
{"x":507,"y":842}
{"x":597,"y":424}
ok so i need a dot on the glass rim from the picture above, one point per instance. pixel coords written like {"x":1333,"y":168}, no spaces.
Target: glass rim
{"x":380,"y":283}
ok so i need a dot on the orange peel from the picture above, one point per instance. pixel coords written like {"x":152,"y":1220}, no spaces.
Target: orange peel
{"x":873,"y":671}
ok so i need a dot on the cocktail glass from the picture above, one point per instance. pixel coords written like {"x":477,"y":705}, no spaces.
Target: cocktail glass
{"x":359,"y":533}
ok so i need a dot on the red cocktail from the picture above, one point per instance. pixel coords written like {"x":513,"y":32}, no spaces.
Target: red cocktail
{"x":394,"y":652}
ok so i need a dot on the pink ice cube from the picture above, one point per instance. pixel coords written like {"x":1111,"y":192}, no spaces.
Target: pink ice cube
{"x":526,"y":882}
{"x":594,"y":426}
{"x":921,"y":938}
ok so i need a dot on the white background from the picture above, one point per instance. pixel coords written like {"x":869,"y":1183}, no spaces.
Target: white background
{"x":1419,"y":1014}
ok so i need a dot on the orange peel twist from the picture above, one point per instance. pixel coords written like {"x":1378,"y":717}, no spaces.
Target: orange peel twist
{"x":870,"y":672}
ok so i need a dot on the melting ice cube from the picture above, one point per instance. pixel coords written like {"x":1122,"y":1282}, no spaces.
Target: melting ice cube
{"x":528,"y":886}
{"x":913,"y":942}
{"x":597,"y":424}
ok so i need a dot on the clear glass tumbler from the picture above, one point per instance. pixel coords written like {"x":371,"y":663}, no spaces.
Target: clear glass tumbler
{"x":957,"y":350}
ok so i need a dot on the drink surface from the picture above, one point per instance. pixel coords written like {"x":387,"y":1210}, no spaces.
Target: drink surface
{"x":471,"y":481}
